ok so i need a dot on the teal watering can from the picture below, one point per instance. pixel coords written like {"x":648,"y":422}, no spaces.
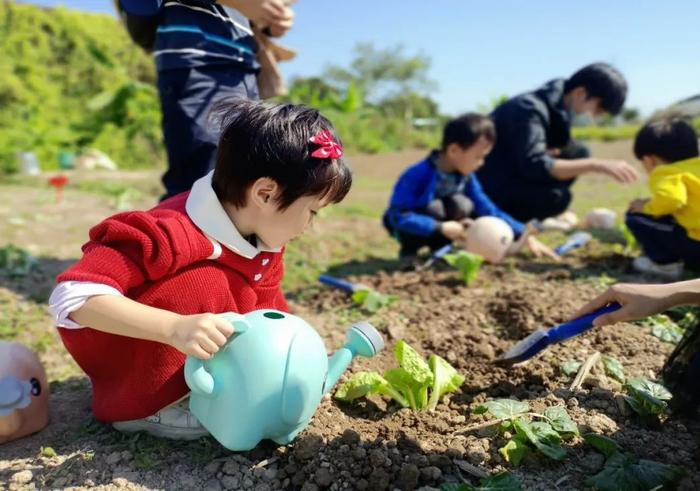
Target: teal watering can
{"x":268,"y":379}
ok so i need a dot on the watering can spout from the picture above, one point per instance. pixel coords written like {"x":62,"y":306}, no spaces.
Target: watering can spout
{"x":362,"y":339}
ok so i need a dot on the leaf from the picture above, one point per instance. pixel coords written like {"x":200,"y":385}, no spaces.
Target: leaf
{"x":466,"y":263}
{"x":667,"y":331}
{"x":403,"y":382}
{"x":445,"y":379}
{"x":363,"y":384}
{"x":500,"y":482}
{"x":413,"y":363}
{"x":371,"y":300}
{"x":647,"y":397}
{"x":514,"y":451}
{"x":570,"y":367}
{"x":613,"y":368}
{"x":503,"y":408}
{"x":48,"y":452}
{"x":623,"y":471}
{"x":630,"y":240}
{"x":560,"y":421}
{"x":542,"y":436}
{"x":606,"y":446}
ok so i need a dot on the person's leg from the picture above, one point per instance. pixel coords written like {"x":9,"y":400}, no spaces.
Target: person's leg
{"x":191,"y":136}
{"x":539,"y":203}
{"x":458,"y":207}
{"x":657,"y":237}
{"x":688,"y":249}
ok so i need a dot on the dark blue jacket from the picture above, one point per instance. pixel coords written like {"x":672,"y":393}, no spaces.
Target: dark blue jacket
{"x":416,"y":188}
{"x":527,"y":126}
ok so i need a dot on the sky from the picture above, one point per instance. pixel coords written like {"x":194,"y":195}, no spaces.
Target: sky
{"x":483,"y":49}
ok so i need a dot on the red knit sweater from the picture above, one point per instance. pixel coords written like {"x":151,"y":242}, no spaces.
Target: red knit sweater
{"x":159,"y":258}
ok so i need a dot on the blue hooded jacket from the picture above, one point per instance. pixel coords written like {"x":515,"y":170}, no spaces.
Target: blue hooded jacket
{"x":416,"y":188}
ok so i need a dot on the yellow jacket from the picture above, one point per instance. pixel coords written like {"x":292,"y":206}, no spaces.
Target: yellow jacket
{"x":675,"y":190}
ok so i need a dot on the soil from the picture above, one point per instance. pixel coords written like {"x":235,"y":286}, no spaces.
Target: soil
{"x":373,"y":444}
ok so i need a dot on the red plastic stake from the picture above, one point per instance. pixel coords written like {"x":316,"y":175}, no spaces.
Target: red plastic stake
{"x":58,"y":182}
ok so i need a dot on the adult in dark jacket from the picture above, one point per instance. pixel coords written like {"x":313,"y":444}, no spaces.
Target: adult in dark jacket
{"x":534,"y":161}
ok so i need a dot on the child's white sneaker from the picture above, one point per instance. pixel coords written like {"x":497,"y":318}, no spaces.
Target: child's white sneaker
{"x":175,"y":422}
{"x":672,"y":271}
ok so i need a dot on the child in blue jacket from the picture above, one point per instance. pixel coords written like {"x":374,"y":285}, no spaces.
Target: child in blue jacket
{"x":433,"y":200}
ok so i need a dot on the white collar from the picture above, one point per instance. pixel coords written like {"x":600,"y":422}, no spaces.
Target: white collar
{"x":205,"y":210}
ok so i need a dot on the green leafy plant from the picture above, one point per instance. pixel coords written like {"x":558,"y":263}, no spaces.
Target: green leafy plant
{"x":631,"y":244}
{"x":16,"y":261}
{"x":613,"y":367}
{"x":624,"y":471}
{"x":664,"y":328}
{"x":466,"y":263}
{"x":544,"y":435}
{"x":647,"y":398}
{"x":371,"y":300}
{"x":499,"y":482}
{"x":415,"y":383}
{"x":570,"y":367}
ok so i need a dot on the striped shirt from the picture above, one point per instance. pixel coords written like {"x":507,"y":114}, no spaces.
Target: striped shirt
{"x":195,"y":33}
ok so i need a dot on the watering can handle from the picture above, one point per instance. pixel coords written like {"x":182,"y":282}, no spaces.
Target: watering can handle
{"x":199,"y":380}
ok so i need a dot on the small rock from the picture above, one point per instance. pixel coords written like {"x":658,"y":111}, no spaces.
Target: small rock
{"x":22,"y":477}
{"x":408,"y":478}
{"x":350,"y":437}
{"x":231,"y":467}
{"x":230,"y":482}
{"x":359,"y":453}
{"x":323,"y":477}
{"x":439,"y":460}
{"x":247,"y":483}
{"x":113,"y":458}
{"x":212,"y":485}
{"x":62,"y":481}
{"x":309,"y":486}
{"x":378,"y":479}
{"x":212,"y":467}
{"x":431,"y":473}
{"x":270,"y":474}
{"x":377,"y":457}
{"x":485,"y":350}
{"x":362,"y":484}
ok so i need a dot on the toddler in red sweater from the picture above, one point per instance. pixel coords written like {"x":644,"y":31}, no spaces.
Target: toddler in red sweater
{"x":150,"y":284}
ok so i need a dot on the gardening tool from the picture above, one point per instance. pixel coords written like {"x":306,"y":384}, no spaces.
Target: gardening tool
{"x":541,"y":338}
{"x":579,"y":239}
{"x":24,"y":392}
{"x":344,"y":285}
{"x":436,"y":256}
{"x":268,"y":379}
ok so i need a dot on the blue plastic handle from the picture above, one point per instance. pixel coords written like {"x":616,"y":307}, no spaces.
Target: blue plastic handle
{"x":574,"y":242}
{"x":440,"y":253}
{"x":337,"y":283}
{"x":578,"y":326}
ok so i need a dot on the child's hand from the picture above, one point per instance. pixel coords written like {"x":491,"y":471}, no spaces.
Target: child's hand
{"x":637,"y":205}
{"x":638,"y":301}
{"x":539,"y":249}
{"x":452,"y":230}
{"x":199,"y":335}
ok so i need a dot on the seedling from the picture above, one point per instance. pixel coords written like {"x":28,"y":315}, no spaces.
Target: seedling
{"x":625,"y":471}
{"x":500,"y":482}
{"x":664,"y":328}
{"x":466,"y":263}
{"x":15,"y":261}
{"x":544,"y":435}
{"x":415,"y":383}
{"x":646,"y":398}
{"x":371,"y":300}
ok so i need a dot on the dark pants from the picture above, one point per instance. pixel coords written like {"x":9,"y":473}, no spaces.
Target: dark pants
{"x":191,"y":136}
{"x":663,"y":240}
{"x":454,"y":207}
{"x":532,"y":201}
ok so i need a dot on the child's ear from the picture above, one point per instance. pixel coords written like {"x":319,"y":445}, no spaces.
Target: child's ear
{"x":263,"y":192}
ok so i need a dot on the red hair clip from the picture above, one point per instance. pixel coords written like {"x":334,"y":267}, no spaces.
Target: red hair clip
{"x":328,"y":149}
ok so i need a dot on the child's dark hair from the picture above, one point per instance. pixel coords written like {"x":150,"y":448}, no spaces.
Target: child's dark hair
{"x":670,"y":137}
{"x":603,"y":81}
{"x":467,"y":129}
{"x":272,"y":140}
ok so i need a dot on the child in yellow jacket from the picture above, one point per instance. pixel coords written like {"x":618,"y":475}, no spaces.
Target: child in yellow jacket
{"x":667,"y":225}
